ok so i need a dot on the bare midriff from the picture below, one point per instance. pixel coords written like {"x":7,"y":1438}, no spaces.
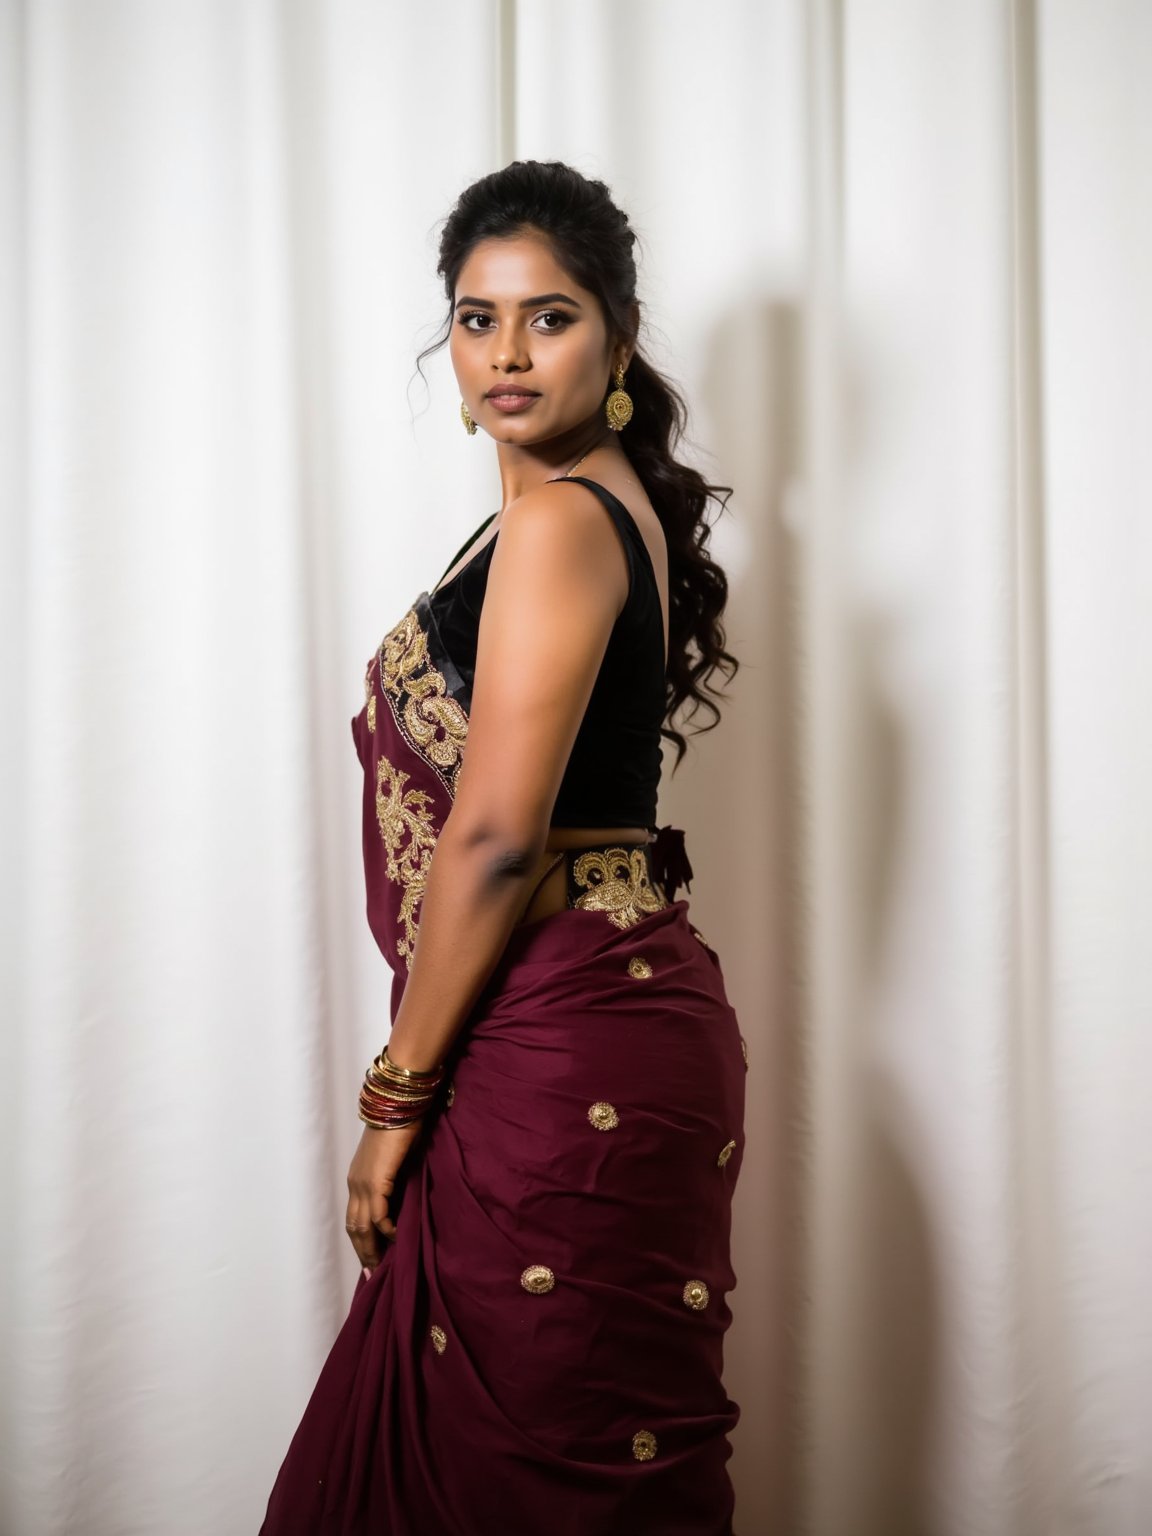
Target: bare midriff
{"x":550,"y":892}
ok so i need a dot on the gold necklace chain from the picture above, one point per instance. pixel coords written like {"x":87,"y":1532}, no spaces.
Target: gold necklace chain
{"x":575,"y":466}
{"x":582,"y":457}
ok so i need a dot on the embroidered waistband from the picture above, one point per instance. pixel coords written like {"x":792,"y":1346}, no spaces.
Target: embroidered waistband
{"x":618,"y":879}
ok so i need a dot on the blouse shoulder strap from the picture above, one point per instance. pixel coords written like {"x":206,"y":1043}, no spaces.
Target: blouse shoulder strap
{"x":629,"y":529}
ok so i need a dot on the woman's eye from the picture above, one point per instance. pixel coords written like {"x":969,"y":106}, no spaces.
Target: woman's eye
{"x":556,"y":320}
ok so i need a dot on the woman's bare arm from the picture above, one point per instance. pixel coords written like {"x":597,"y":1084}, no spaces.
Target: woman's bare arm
{"x":557,"y":580}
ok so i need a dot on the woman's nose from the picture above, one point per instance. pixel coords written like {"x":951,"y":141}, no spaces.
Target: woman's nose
{"x":508,"y":353}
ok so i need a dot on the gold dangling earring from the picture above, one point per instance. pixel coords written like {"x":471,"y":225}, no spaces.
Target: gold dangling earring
{"x":466,"y":418}
{"x":618,"y":406}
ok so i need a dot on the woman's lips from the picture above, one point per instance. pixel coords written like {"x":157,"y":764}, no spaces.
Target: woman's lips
{"x":511,"y":403}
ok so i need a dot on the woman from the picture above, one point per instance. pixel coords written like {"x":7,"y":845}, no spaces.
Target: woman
{"x":541,"y":1196}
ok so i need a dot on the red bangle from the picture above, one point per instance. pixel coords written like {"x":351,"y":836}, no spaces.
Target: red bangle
{"x":378,"y":1101}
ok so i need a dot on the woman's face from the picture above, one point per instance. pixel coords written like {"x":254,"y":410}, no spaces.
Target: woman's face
{"x":520,"y":322}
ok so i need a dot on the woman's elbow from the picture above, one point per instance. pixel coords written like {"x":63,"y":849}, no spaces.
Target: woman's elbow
{"x":507,"y":850}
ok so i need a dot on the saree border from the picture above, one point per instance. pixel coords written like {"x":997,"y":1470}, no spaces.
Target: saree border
{"x":425,"y":693}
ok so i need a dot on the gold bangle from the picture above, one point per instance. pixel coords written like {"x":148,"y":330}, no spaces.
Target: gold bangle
{"x":395,"y":1126}
{"x":397,"y":1090}
{"x":386,"y":1074}
{"x":409,"y":1072}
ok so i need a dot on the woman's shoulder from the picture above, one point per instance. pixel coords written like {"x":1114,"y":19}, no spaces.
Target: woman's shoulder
{"x":557,"y":540}
{"x":622,"y":485}
{"x":558,"y":517}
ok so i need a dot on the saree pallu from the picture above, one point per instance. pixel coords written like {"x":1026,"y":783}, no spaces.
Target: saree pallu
{"x":540,"y":1349}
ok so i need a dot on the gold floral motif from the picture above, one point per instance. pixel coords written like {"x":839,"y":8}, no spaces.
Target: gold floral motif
{"x":538,"y":1279}
{"x":696,"y":1295}
{"x":726,"y":1152}
{"x":430,"y":719}
{"x":603,"y":1116}
{"x":372,"y":713}
{"x":409,"y":835}
{"x":439,"y":1338}
{"x":639,"y":967}
{"x":616,"y":883}
{"x":643,"y":1445}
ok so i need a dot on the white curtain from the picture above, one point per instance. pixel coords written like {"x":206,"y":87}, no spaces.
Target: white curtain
{"x":898,"y":253}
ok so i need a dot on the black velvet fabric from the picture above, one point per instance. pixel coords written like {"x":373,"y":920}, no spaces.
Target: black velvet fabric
{"x":613,"y":772}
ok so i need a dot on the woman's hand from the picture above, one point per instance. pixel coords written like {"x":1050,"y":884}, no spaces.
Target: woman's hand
{"x":371,"y":1181}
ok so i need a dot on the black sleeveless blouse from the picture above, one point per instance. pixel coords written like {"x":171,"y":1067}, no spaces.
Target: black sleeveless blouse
{"x":613,"y":773}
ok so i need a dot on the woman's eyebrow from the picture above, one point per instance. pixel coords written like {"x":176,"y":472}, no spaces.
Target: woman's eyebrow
{"x":541,"y":298}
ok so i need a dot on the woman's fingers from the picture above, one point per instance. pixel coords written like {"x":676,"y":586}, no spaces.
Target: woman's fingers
{"x":372,"y":1185}
{"x":378,"y":1212}
{"x":367,"y":1216}
{"x":362,"y":1235}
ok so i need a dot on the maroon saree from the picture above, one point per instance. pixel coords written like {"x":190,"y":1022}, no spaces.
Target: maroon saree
{"x":540,"y":1349}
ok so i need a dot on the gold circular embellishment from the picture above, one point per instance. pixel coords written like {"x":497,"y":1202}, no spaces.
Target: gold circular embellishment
{"x":603,"y":1116}
{"x":439,"y":1338}
{"x":538,"y":1279}
{"x":696,"y":1295}
{"x":726,"y":1152}
{"x":639,"y":967}
{"x":643,"y":1445}
{"x":450,"y":1096}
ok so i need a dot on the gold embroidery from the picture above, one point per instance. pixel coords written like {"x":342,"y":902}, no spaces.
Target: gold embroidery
{"x":372,"y":713}
{"x":696,"y":934}
{"x":603,"y":1116}
{"x":431,"y":720}
{"x":538,"y":1279}
{"x":410,"y":837}
{"x":639,"y":967}
{"x":617,"y":884}
{"x":643,"y":1445}
{"x":439,"y":1338}
{"x":696,"y":1295}
{"x":451,"y":1095}
{"x":726,"y":1152}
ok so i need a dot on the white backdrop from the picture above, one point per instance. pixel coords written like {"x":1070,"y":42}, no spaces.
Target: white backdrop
{"x":898,"y":253}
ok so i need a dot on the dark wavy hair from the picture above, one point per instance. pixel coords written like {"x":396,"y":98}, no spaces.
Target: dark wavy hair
{"x":592,"y":240}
